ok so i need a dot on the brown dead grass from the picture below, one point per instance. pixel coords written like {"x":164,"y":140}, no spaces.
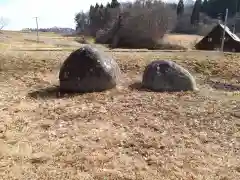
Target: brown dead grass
{"x":22,"y":40}
{"x":122,"y":133}
{"x":187,"y":41}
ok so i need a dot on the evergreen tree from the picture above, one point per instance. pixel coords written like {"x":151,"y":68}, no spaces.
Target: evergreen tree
{"x":149,"y":4}
{"x":204,"y":6}
{"x":96,"y":11}
{"x":214,"y":8}
{"x":91,"y":14}
{"x":115,"y":4}
{"x":108,"y":5}
{"x":101,"y":12}
{"x":196,"y":12}
{"x":107,"y":15}
{"x":180,"y":8}
{"x":96,"y":6}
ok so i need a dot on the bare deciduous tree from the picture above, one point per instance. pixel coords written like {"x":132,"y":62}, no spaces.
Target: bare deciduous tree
{"x":142,"y":24}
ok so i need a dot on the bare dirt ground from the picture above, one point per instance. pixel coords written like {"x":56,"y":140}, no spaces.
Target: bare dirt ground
{"x":124,"y":133}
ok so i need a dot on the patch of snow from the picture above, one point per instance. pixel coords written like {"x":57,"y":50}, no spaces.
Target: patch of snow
{"x":234,"y":36}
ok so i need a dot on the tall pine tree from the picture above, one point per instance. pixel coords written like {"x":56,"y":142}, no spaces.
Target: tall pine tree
{"x":180,"y":8}
{"x":195,"y":17}
{"x":101,"y":14}
{"x":216,"y":7}
{"x":108,"y":5}
{"x":204,"y":6}
{"x":97,"y":6}
{"x":91,"y":14}
{"x":115,"y":4}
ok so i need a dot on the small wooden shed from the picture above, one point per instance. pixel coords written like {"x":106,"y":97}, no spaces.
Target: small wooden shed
{"x":212,"y":41}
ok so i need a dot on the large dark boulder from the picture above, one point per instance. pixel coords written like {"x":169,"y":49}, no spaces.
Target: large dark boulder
{"x":162,"y":75}
{"x":88,"y":70}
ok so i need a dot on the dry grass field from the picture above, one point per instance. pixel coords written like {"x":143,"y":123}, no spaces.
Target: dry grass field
{"x":182,"y":39}
{"x":122,"y":134}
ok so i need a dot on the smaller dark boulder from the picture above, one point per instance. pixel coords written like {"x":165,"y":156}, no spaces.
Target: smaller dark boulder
{"x":88,"y":70}
{"x":163,"y":75}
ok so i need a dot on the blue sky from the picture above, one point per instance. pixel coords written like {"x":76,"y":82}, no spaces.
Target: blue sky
{"x":21,"y":13}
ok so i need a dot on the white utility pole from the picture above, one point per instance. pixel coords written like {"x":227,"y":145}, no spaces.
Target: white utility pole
{"x":37,"y":28}
{"x":225,"y":24}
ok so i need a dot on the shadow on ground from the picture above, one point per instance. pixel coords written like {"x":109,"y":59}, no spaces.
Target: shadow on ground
{"x":223,"y":86}
{"x":138,"y":86}
{"x":36,"y":50}
{"x":51,"y":93}
{"x":54,"y":92}
{"x":141,"y":50}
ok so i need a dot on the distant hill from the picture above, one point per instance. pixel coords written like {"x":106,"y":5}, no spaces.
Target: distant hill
{"x":186,"y":2}
{"x":59,"y":30}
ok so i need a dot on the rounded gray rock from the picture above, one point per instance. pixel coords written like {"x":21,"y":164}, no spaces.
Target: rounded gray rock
{"x":88,"y":70}
{"x":164,"y":75}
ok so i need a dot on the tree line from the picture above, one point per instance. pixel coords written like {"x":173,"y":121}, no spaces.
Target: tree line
{"x":213,"y":8}
{"x":102,"y":17}
{"x":97,"y":17}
